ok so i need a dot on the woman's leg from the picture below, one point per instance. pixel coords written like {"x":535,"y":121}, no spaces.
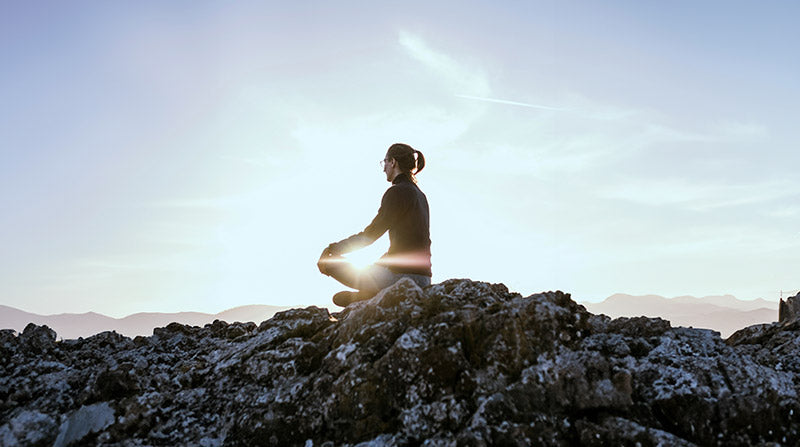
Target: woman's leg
{"x":339,"y":269}
{"x":374,"y":278}
{"x":368,"y":281}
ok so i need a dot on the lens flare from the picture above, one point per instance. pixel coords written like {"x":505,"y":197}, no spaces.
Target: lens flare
{"x":360,"y":260}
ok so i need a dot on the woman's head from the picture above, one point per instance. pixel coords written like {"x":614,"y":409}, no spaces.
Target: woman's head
{"x":407,"y":160}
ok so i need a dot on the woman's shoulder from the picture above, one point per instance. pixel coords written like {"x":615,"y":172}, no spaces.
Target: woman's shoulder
{"x":399,"y":191}
{"x":403,"y":188}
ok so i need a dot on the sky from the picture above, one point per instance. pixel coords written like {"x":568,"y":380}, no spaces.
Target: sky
{"x":195,"y":155}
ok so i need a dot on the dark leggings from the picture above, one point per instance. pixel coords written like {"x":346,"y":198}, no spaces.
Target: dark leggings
{"x":371,"y":279}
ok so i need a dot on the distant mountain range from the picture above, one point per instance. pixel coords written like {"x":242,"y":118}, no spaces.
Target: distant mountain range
{"x":725,"y":314}
{"x":90,"y":323}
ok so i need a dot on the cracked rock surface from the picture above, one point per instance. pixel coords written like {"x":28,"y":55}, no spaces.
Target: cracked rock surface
{"x":458,"y":363}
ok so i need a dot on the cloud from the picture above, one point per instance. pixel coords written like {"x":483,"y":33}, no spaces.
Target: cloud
{"x":696,"y":194}
{"x":459,"y":78}
{"x":351,"y":115}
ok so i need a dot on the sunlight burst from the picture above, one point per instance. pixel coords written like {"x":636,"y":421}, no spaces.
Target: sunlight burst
{"x":360,"y":259}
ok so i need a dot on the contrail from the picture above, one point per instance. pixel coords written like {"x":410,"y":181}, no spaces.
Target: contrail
{"x":513,"y":103}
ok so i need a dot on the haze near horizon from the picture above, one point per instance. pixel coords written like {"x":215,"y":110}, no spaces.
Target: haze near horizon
{"x":198,"y":156}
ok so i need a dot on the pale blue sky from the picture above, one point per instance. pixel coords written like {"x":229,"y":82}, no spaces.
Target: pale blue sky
{"x":166,"y":156}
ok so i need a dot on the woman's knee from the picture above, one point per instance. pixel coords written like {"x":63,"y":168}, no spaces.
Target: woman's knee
{"x":345,"y":273}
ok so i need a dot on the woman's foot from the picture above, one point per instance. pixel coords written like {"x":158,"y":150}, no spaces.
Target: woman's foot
{"x":347,"y":297}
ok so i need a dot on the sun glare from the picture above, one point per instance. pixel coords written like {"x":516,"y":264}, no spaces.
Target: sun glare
{"x":361,"y":259}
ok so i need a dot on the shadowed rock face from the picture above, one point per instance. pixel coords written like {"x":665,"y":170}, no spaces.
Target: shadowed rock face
{"x":459,"y":363}
{"x":790,"y":309}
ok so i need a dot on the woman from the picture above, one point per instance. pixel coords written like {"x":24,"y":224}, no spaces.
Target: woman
{"x":404,"y":213}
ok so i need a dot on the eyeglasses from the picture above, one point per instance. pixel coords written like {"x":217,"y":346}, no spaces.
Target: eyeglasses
{"x":384,"y":161}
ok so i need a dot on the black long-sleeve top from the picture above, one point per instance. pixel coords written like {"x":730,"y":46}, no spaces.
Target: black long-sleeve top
{"x":404,"y":213}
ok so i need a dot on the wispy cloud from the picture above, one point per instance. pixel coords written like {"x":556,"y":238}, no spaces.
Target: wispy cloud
{"x":698,"y":195}
{"x":458,"y":76}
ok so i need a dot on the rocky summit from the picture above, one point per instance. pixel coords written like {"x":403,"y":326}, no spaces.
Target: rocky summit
{"x":458,"y":363}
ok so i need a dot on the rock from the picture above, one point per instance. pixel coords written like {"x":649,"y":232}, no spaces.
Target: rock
{"x":141,"y":364}
{"x":617,"y":431}
{"x":789,"y":310}
{"x":7,"y":337}
{"x":113,"y":384}
{"x":30,"y":428}
{"x":38,"y":339}
{"x":84,"y":421}
{"x":456,"y":363}
{"x":8,"y":345}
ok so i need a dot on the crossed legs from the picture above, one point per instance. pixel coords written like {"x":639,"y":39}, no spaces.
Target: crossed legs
{"x":367,"y":281}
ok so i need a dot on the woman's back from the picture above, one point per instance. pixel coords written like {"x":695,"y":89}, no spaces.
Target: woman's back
{"x":409,"y":232}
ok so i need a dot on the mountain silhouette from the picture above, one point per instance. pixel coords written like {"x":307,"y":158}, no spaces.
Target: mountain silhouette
{"x":725,"y":313}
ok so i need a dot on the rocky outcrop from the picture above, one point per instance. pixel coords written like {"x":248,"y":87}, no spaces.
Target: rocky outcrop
{"x":790,"y":309}
{"x":459,"y":363}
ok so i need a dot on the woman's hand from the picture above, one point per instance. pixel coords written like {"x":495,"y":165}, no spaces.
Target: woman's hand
{"x":325,"y":260}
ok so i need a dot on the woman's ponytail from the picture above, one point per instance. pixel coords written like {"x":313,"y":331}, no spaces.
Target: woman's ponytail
{"x":420,"y":161}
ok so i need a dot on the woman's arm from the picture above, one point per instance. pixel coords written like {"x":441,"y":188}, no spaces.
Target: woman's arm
{"x":392,"y":206}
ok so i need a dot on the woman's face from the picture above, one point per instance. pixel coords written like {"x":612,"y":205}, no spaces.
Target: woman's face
{"x":388,"y":167}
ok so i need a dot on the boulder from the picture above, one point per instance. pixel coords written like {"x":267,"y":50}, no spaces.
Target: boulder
{"x":789,"y":310}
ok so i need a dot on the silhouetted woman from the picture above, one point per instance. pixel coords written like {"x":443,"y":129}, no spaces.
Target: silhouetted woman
{"x":404,"y":213}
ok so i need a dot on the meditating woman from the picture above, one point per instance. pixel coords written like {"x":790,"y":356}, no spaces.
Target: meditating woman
{"x":404,"y":213}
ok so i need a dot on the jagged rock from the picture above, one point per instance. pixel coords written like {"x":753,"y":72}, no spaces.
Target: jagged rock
{"x":789,"y":310}
{"x":28,"y":428}
{"x":84,"y":421}
{"x":115,"y":383}
{"x":38,"y":339}
{"x":458,"y":363}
